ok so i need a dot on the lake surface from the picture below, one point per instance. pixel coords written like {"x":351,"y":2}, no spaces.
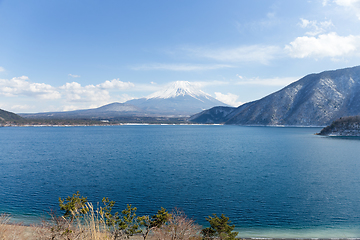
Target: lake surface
{"x":273,"y":182}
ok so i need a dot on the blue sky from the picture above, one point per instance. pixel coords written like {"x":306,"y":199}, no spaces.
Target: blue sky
{"x":67,"y":55}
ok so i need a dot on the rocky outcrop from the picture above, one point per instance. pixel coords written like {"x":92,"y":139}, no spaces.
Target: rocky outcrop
{"x":345,"y":126}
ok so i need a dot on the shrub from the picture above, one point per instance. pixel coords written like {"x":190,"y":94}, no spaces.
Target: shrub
{"x":219,"y":228}
{"x":178,"y":227}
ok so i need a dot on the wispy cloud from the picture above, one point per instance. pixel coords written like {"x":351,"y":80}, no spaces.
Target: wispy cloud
{"x":254,"y":53}
{"x":325,"y":45}
{"x":2,"y":69}
{"x":73,"y":76}
{"x":277,"y":81}
{"x":181,"y":67}
{"x":265,"y":23}
{"x":316,"y":27}
{"x":325,"y":2}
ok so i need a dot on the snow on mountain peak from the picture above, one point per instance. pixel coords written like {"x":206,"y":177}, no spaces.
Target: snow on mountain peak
{"x":179,"y":88}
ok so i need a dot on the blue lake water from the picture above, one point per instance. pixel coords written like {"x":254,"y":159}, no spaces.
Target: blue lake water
{"x":271,"y":182}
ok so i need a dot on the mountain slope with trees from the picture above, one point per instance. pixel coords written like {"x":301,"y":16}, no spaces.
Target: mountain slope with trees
{"x":314,"y":100}
{"x":9,"y":117}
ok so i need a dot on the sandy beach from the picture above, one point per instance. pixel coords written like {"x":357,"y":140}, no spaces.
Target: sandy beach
{"x":20,"y":232}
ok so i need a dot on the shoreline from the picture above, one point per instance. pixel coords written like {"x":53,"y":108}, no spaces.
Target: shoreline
{"x":155,"y":124}
{"x":33,"y":223}
{"x":22,"y":232}
{"x":248,"y":233}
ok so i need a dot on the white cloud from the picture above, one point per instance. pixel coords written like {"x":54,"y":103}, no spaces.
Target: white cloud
{"x":316,"y":27}
{"x":253,"y":53}
{"x":325,"y":45}
{"x":277,"y":81}
{"x":72,"y":95}
{"x":21,"y":86}
{"x":91,"y":96}
{"x":74,"y":92}
{"x":2,"y":69}
{"x":347,"y":3}
{"x":180,"y":67}
{"x":115,"y":84}
{"x":74,"y":76}
{"x":229,"y":99}
{"x":352,"y":5}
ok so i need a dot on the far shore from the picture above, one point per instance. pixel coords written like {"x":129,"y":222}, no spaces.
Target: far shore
{"x":155,"y":124}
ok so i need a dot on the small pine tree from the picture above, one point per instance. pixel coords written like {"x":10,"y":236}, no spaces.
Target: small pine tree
{"x":156,"y":221}
{"x":73,"y":206}
{"x":219,"y":228}
{"x":125,"y":225}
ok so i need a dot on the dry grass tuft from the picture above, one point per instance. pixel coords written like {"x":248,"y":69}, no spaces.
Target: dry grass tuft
{"x":90,"y":227}
{"x":179,"y":227}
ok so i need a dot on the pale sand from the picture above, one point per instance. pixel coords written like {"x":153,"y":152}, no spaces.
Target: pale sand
{"x":19,"y":232}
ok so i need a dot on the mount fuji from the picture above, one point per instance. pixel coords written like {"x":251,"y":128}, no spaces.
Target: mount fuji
{"x":178,"y":99}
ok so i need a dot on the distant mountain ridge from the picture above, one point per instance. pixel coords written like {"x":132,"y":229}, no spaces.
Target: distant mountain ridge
{"x":314,"y":100}
{"x":178,"y":99}
{"x":108,"y":111}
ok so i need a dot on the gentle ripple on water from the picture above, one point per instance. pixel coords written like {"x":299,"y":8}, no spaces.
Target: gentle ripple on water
{"x":267,"y":180}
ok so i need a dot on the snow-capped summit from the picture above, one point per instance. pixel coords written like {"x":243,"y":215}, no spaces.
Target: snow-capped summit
{"x":179,"y":98}
{"x":179,"y":88}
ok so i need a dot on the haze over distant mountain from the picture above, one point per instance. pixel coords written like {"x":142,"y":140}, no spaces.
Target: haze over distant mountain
{"x":314,"y":100}
{"x":108,"y":111}
{"x":178,"y":99}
